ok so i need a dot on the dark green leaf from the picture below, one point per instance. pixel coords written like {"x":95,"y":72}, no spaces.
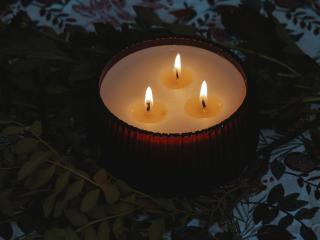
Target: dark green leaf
{"x":41,"y":178}
{"x":90,"y":234}
{"x":307,"y":233}
{"x":156,"y":230}
{"x":5,"y":203}
{"x":101,"y":176}
{"x":306,"y":213}
{"x":70,"y":234}
{"x":74,"y":190}
{"x":54,"y":234}
{"x":36,"y":128}
{"x":104,"y":231}
{"x":61,"y":182}
{"x":118,"y":228}
{"x":111,"y":192}
{"x":285,"y":221}
{"x":25,"y":146}
{"x":276,"y":194}
{"x":75,"y":218}
{"x":277,"y":169}
{"x":12,"y":130}
{"x":32,"y":164}
{"x":90,"y":200}
{"x":97,"y":212}
{"x":59,"y":208}
{"x":48,"y":205}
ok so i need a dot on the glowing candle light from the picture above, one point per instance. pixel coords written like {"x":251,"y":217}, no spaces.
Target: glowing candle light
{"x":177,"y":66}
{"x":177,"y":78}
{"x":203,"y":94}
{"x":148,"y":99}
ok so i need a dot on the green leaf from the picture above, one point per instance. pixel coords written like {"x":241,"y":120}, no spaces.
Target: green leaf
{"x":156,"y":230}
{"x":54,"y":234}
{"x":101,"y":176}
{"x":276,"y":194}
{"x":277,"y":169}
{"x":76,"y":218}
{"x":59,"y":208}
{"x":307,"y":233}
{"x":111,"y":192}
{"x":166,"y":204}
{"x":104,"y":231}
{"x":90,"y":200}
{"x":6,"y":204}
{"x":12,"y":130}
{"x":25,"y":146}
{"x":118,"y":228}
{"x":70,"y":234}
{"x":32,"y":164}
{"x":90,"y":234}
{"x":306,"y":213}
{"x":97,"y":212}
{"x":41,"y":178}
{"x":286,"y":221}
{"x":74,"y":190}
{"x":61,"y":182}
{"x":311,"y":100}
{"x":36,"y":128}
{"x":48,"y":205}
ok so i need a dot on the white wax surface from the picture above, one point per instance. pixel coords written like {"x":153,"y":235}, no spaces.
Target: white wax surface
{"x":126,"y":83}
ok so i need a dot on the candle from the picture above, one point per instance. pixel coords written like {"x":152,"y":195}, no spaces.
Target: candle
{"x":174,"y":114}
{"x":149,"y":112}
{"x":176,"y":78}
{"x":122,"y":88}
{"x":203,"y":106}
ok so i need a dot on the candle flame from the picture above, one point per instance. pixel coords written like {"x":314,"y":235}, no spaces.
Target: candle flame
{"x":203,"y":94}
{"x":177,"y":65}
{"x":148,"y":100}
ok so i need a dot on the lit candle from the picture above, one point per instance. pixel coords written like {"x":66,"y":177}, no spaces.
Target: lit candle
{"x":178,"y":78}
{"x":203,"y":106}
{"x":157,"y":138}
{"x":177,"y":66}
{"x":122,"y":88}
{"x":149,"y":112}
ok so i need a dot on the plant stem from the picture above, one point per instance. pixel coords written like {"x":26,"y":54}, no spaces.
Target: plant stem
{"x":270,"y":59}
{"x":106,"y":218}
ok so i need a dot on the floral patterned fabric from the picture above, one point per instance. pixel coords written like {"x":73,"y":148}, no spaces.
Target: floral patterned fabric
{"x":302,"y":21}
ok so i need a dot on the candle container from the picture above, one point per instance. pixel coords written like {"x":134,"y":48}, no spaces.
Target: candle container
{"x":177,"y":163}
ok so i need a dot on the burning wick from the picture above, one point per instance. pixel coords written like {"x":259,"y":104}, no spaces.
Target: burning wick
{"x":177,"y":66}
{"x":203,"y":94}
{"x":148,"y":100}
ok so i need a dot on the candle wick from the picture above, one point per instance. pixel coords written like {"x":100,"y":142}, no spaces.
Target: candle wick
{"x":203,"y":103}
{"x":177,"y":74}
{"x":148,"y":106}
